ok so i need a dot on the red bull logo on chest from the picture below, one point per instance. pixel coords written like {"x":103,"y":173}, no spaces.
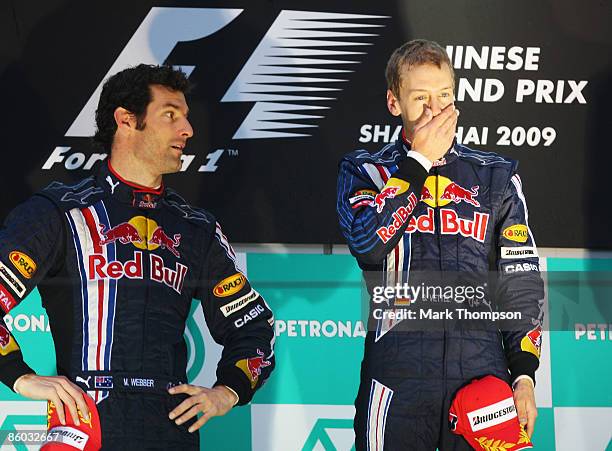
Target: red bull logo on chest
{"x":100,"y":268}
{"x":450,"y":224}
{"x":447,"y":191}
{"x":144,"y":233}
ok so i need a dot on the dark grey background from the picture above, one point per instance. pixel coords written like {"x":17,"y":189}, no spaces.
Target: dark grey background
{"x":54,"y":54}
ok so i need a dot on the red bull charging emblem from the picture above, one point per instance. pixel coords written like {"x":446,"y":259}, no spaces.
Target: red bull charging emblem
{"x":7,"y":343}
{"x":143,"y":233}
{"x":448,"y":191}
{"x":252,"y":367}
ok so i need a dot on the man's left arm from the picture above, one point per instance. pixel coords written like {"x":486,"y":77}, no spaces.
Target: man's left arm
{"x":240,"y":320}
{"x":520,"y":289}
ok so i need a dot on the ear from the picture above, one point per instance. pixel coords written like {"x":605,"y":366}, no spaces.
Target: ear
{"x":393,"y":104}
{"x":124,"y":118}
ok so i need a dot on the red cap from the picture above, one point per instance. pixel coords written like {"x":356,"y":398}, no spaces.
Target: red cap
{"x":484,"y":413}
{"x":85,"y":437}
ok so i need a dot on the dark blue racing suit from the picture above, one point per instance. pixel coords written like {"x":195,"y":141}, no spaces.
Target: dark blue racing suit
{"x":465,"y":215}
{"x":117,"y":266}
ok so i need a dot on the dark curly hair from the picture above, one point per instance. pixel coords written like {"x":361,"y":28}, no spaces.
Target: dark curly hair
{"x":414,"y":53}
{"x":130,"y":89}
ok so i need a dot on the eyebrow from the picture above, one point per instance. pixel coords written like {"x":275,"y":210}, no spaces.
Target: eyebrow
{"x":427,"y":90}
{"x":175,"y":106}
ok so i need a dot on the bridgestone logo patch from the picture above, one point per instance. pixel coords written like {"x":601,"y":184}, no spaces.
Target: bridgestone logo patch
{"x":70,"y":436}
{"x":492,"y":415}
{"x":239,"y":303}
{"x":518,"y":252}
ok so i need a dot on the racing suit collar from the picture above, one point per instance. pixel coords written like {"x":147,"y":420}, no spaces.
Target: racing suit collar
{"x":127,"y":192}
{"x":450,"y":156}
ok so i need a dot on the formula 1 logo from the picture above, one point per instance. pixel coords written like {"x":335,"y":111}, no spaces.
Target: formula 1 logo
{"x":287,"y":72}
{"x":291,"y":52}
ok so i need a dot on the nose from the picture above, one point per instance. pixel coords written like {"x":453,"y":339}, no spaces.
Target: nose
{"x":186,"y":129}
{"x":435,"y":105}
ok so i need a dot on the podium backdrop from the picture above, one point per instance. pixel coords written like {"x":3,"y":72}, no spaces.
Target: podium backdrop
{"x":307,"y":405}
{"x":283,"y":89}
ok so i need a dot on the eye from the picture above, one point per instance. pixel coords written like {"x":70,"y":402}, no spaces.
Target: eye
{"x":420,"y":98}
{"x":169,"y":114}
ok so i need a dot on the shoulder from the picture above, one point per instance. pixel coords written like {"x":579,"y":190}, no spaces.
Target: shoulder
{"x":376,"y":167}
{"x":484,"y":159}
{"x":177,"y":205}
{"x":78,"y":195}
{"x":389,"y":155}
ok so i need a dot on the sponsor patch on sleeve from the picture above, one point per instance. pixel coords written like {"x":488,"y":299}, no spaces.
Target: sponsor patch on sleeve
{"x":24,"y":264}
{"x":230,"y":285}
{"x":517,"y":232}
{"x":362,"y":198}
{"x":7,"y":302}
{"x":7,"y":342}
{"x":11,"y":279}
{"x":252,"y":367}
{"x":511,"y":268}
{"x":518,"y":252}
{"x":238,"y":304}
{"x":401,"y":185}
{"x":532,"y":342}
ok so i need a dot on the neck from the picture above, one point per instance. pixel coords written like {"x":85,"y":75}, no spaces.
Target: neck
{"x":133,"y":171}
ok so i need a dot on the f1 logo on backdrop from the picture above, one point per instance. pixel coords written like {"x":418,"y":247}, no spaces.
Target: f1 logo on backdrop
{"x":288,"y":67}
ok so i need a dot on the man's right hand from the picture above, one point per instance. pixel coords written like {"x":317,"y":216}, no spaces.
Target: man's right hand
{"x":433,"y":136}
{"x":57,"y":389}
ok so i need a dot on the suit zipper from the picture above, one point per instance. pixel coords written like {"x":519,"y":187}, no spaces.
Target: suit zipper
{"x":439,"y":238}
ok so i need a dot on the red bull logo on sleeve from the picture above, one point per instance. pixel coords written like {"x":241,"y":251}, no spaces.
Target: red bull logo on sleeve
{"x":400,"y":216}
{"x":447,"y":191}
{"x":532,"y":342}
{"x":252,"y":367}
{"x":393,"y":188}
{"x":7,"y":343}
{"x":386,"y":193}
{"x":137,"y":231}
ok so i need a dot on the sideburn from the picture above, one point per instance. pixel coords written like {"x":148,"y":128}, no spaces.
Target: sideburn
{"x":140,"y":123}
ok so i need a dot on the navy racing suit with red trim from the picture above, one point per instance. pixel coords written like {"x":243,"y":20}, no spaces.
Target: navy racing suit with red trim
{"x":117,"y":267}
{"x":465,"y":215}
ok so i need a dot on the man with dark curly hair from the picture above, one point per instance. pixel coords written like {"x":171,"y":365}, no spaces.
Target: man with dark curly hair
{"x":117,"y":259}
